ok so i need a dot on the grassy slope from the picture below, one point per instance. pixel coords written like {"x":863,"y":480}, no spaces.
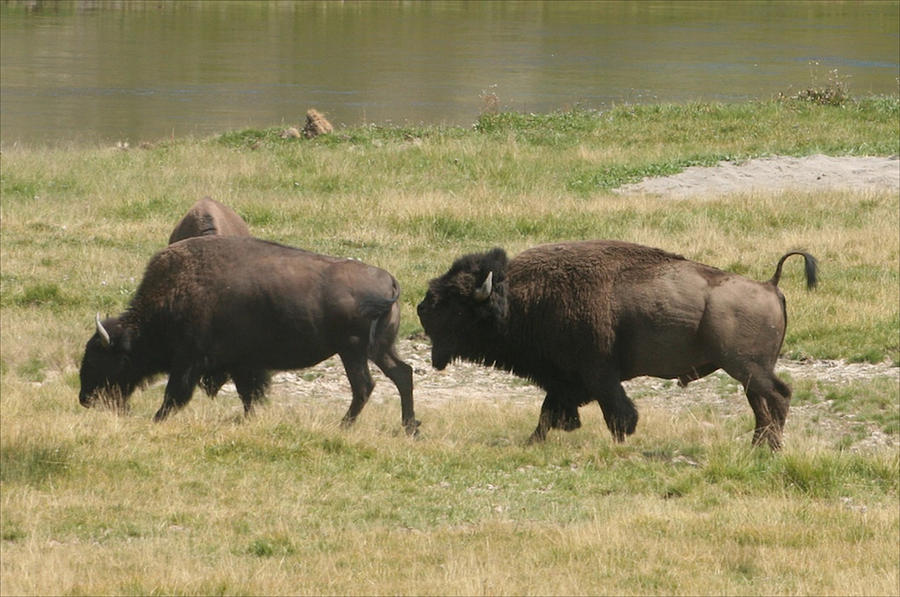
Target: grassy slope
{"x":287,"y":503}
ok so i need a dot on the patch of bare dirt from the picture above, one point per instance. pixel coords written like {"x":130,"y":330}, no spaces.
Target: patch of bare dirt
{"x":810,"y":173}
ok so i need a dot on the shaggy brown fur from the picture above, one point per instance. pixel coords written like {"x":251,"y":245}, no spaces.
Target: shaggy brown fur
{"x":241,"y":307}
{"x":578,"y":318}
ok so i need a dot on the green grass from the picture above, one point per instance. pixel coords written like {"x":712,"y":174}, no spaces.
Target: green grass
{"x":208,"y":503}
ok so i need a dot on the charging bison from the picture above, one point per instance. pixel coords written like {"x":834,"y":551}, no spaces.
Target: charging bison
{"x":578,"y":318}
{"x":240,"y":306}
{"x":207,"y":217}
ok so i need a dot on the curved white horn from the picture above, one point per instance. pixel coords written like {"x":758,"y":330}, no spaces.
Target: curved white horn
{"x":484,"y":291}
{"x":104,"y":335}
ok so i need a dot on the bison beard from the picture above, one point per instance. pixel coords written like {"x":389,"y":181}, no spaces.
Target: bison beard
{"x":579,"y":318}
{"x":213,"y":307}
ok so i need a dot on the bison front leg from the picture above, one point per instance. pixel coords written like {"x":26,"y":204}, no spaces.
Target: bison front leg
{"x":618,"y":410}
{"x":540,"y":432}
{"x":182,"y":381}
{"x":361,"y":384}
{"x":556,"y":413}
{"x":251,"y":386}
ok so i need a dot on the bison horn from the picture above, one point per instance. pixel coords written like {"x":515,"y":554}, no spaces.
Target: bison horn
{"x":484,"y":291}
{"x":104,"y":335}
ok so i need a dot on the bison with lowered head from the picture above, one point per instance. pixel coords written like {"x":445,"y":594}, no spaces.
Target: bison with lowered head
{"x":578,"y":318}
{"x":207,"y":217}
{"x":240,"y":306}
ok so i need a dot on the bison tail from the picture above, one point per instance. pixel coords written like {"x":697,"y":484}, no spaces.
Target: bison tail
{"x":811,"y":269}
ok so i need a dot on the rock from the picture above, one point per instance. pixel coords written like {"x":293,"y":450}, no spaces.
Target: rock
{"x":316,"y":124}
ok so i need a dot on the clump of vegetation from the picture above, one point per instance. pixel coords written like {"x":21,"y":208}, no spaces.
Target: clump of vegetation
{"x":832,"y":91}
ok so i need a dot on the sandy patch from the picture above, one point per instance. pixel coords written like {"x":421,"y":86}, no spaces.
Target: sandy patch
{"x":811,"y":173}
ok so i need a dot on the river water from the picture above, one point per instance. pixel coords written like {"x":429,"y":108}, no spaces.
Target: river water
{"x":106,"y":71}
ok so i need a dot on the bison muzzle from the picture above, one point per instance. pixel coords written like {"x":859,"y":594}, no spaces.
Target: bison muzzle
{"x":221,"y":306}
{"x":579,"y":318}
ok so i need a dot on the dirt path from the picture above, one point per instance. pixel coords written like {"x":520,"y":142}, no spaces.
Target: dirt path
{"x":465,"y":381}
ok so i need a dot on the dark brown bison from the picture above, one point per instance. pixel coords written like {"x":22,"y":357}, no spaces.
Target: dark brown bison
{"x":206,"y":217}
{"x":578,"y":318}
{"x":243,"y":307}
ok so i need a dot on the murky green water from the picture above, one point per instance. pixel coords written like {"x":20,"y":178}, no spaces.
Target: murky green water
{"x":104,"y":70}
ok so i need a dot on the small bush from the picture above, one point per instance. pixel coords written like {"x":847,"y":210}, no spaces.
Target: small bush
{"x":833,"y":91}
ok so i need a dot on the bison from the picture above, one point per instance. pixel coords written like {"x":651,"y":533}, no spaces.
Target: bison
{"x":578,"y":318}
{"x":206,"y":217}
{"x":240,"y":306}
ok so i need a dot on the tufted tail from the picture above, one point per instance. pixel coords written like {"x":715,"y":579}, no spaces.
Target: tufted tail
{"x":811,"y":269}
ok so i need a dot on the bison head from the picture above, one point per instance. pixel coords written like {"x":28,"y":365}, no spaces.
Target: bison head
{"x":465,"y":310}
{"x":107,"y":371}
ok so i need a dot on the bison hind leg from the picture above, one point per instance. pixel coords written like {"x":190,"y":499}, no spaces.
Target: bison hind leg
{"x":182,"y":381}
{"x":770,"y":399}
{"x":361,"y":383}
{"x":251,"y":385}
{"x":401,"y":375}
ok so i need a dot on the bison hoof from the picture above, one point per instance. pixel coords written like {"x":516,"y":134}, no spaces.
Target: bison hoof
{"x":535,"y":438}
{"x":767,"y":438}
{"x":412,"y":428}
{"x":627,"y":424}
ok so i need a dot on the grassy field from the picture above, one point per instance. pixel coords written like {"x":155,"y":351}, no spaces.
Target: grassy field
{"x":95,"y":502}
